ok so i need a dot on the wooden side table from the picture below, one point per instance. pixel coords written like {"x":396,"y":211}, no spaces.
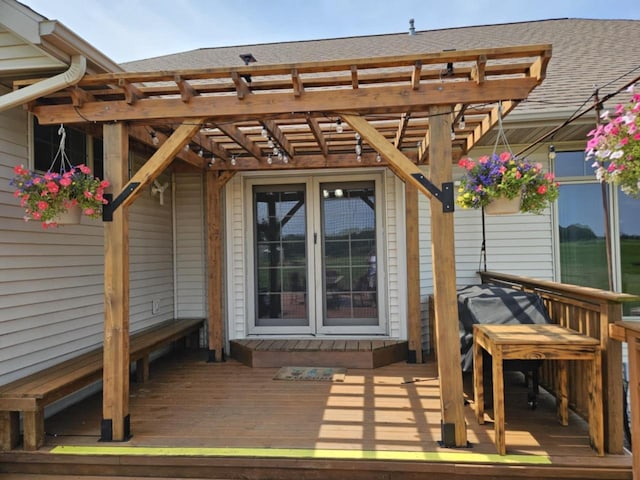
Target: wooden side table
{"x":535,"y":341}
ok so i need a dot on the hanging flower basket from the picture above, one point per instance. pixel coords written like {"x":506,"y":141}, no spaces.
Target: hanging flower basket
{"x":506,"y":177}
{"x":69,"y":217}
{"x":504,"y":206}
{"x":615,"y":147}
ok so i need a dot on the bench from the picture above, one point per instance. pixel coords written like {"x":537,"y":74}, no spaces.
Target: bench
{"x":31,"y":394}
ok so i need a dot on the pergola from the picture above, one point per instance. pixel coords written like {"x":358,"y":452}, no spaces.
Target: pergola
{"x":400,"y":112}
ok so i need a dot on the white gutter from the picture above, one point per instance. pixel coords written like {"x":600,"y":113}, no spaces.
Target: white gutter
{"x":72,"y":76}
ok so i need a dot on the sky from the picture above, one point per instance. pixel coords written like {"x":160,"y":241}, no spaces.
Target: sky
{"x":128,"y":30}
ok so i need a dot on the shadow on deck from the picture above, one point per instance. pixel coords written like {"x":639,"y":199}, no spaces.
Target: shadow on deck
{"x":195,"y":419}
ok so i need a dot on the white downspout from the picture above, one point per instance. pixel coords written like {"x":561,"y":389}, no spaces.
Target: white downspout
{"x":72,"y":76}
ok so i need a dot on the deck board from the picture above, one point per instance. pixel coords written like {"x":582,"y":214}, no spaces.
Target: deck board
{"x":191,"y":403}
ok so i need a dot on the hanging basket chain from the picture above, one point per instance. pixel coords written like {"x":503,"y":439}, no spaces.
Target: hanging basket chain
{"x":65,"y":163}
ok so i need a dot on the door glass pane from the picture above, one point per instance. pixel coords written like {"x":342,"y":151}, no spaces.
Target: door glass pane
{"x":583,"y":257}
{"x":280,"y":255}
{"x":349,"y":252}
{"x":630,"y":250}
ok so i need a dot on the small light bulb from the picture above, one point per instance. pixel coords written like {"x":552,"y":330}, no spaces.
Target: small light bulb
{"x":378,"y":158}
{"x":358,"y":149}
{"x":325,"y":193}
{"x":275,"y":151}
{"x":154,"y":138}
{"x":270,"y":142}
{"x":552,"y":152}
{"x":212,"y":162}
{"x":357,"y":135}
{"x":280,"y":156}
{"x":462,"y":123}
{"x":269,"y":159}
{"x":201,"y":153}
{"x":264,"y":132}
{"x":453,"y":135}
{"x":359,"y":158}
{"x":339,"y":127}
{"x":233,"y":160}
{"x":187,"y":147}
{"x":338,"y":193}
{"x":285,"y":158}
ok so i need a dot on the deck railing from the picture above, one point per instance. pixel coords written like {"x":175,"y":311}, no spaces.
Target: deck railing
{"x":589,"y":311}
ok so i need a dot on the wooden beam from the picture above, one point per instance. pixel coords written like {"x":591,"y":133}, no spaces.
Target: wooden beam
{"x":276,"y":133}
{"x":412,"y":221}
{"x":80,"y":96}
{"x":490,"y":121}
{"x":131,"y":92}
{"x":115,"y":388}
{"x":390,"y":99}
{"x":354,"y":77}
{"x":241,"y":139}
{"x":402,"y":127}
{"x":539,"y":68}
{"x":415,"y":75}
{"x":187,"y":92}
{"x":296,"y":80}
{"x":215,"y":263}
{"x":479,"y":69}
{"x":396,"y":161}
{"x":314,"y":125}
{"x":241,"y":85}
{"x":444,"y":284}
{"x":423,"y":148}
{"x":162,"y":158}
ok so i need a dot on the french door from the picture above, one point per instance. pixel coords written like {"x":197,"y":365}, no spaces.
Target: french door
{"x":316,"y":260}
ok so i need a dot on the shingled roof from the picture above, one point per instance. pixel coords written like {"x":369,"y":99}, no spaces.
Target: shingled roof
{"x":586,"y":53}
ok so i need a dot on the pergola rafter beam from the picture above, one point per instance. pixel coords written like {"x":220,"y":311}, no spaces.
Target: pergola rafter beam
{"x":316,"y":131}
{"x":241,"y":139}
{"x":276,"y":133}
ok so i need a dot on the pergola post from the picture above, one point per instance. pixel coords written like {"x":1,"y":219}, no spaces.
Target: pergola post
{"x":215,"y":263}
{"x":412,"y":220}
{"x":444,"y":284}
{"x":115,"y":405}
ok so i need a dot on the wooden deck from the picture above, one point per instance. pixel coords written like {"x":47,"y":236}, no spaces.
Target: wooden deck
{"x":318,"y":353}
{"x":229,"y":421}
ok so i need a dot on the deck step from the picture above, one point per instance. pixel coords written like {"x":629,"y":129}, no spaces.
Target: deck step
{"x":270,"y":353}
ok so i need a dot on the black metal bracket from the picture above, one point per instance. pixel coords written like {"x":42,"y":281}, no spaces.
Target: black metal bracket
{"x":445,"y":195}
{"x":112,"y":205}
{"x":106,"y":429}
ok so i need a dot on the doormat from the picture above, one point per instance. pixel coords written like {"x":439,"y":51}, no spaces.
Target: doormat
{"x":319,"y":374}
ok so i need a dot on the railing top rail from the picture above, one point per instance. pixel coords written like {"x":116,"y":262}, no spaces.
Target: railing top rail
{"x":594,"y":294}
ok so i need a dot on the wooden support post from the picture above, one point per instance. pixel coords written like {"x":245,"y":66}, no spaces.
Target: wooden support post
{"x":444,"y":284}
{"x":611,"y":383}
{"x":215,"y":265}
{"x":413,"y":273}
{"x":115,"y":403}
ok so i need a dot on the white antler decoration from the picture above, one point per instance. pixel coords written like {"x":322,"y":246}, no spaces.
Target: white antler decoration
{"x":159,"y":189}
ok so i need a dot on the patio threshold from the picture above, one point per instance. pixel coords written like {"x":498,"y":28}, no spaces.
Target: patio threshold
{"x":269,"y":353}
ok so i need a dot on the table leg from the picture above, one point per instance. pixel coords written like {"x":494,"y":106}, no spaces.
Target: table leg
{"x":562,"y":397}
{"x":596,"y":420}
{"x":498,"y":403}
{"x":478,"y":386}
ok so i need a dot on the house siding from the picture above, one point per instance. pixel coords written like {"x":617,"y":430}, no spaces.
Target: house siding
{"x":190,"y":264}
{"x":51,"y":281}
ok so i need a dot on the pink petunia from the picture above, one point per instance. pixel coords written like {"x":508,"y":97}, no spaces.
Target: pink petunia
{"x":42,"y":205}
{"x":53,"y":187}
{"x":89,"y":211}
{"x":88,"y":194}
{"x":104,"y":183}
{"x":84,"y":169}
{"x":505,"y":156}
{"x":65,"y":181}
{"x":542,"y":189}
{"x":483,"y":159}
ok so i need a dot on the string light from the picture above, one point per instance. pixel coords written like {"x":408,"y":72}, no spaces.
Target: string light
{"x":285,"y":158}
{"x":270,"y":143}
{"x":264,"y":132}
{"x":187,"y":147}
{"x":269,"y":159}
{"x":378,"y":157}
{"x":339,"y":127}
{"x":462,"y":123}
{"x":453,"y":134}
{"x":201,"y":153}
{"x":154,"y":138}
{"x":233,"y":160}
{"x":212,"y":161}
{"x":552,"y":152}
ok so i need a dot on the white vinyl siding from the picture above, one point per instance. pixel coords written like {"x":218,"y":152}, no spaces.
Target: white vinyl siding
{"x":395,"y":248}
{"x":236,"y":263}
{"x":191,"y":268}
{"x":51,"y":281}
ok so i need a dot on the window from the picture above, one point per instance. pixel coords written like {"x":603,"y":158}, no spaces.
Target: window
{"x":581,"y":230}
{"x":79,"y":147}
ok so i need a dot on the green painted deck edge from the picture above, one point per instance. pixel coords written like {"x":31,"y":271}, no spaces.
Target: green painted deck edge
{"x":453,"y":457}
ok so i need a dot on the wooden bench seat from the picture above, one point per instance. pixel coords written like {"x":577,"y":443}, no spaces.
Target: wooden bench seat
{"x":31,"y":394}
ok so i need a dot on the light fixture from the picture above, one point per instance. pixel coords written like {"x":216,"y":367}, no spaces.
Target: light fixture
{"x":552,"y":152}
{"x":280,"y":155}
{"x":359,"y":158}
{"x":358,"y":149}
{"x":378,"y":157}
{"x":212,"y":161}
{"x":264,"y":132}
{"x":285,"y":158}
{"x":154,"y":138}
{"x":462,"y":123}
{"x":276,"y":151}
{"x":233,"y":160}
{"x":453,"y":134}
{"x":201,"y":153}
{"x":187,"y":147}
{"x":325,"y":193}
{"x":357,"y":135}
{"x":339,"y":127}
{"x":269,"y":159}
{"x":270,"y":143}
{"x":338,"y":193}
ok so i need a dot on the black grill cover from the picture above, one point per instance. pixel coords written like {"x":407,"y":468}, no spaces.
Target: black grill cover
{"x":495,"y":305}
